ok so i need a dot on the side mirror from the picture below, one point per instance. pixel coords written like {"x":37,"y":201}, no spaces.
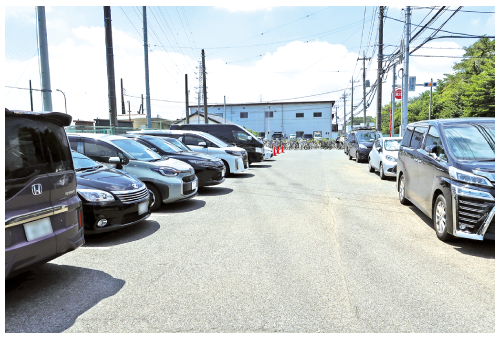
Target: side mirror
{"x":432,"y":151}
{"x":114,"y":160}
{"x":202,"y":144}
{"x":249,"y":137}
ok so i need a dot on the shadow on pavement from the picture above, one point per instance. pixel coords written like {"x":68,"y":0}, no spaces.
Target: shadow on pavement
{"x":240,"y":175}
{"x":485,"y":249}
{"x":214,"y":191}
{"x":49,"y":298}
{"x":260,"y":166}
{"x":181,"y":206}
{"x":131,"y":233}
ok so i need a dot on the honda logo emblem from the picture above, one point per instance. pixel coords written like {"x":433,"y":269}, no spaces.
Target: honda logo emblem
{"x":36,"y":189}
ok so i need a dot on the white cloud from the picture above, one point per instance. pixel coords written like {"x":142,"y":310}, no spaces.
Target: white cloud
{"x":246,"y":8}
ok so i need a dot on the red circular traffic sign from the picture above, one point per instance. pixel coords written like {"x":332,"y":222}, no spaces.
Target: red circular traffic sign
{"x":398,"y":93}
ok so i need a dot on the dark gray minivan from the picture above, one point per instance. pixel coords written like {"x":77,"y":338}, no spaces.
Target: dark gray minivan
{"x":43,"y":214}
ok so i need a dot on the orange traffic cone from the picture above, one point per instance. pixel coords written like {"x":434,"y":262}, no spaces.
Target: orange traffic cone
{"x":274,"y":151}
{"x":278,"y":150}
{"x":282,"y":149}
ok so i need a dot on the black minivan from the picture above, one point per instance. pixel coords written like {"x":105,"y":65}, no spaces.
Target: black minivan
{"x":43,"y":214}
{"x":446,"y":168}
{"x":231,"y":134}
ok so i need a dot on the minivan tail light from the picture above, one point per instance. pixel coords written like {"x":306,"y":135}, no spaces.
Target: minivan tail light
{"x":80,"y":219}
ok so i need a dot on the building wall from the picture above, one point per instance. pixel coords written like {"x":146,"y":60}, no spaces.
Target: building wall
{"x":284,"y":117}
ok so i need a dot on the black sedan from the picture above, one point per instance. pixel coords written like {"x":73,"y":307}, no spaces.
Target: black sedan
{"x":209,"y":170}
{"x":112,"y":199}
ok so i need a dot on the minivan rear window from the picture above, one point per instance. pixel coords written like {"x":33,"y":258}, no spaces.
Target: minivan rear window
{"x":32,"y":148}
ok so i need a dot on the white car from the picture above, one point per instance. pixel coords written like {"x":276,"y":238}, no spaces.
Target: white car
{"x":268,"y":153}
{"x":235,"y":159}
{"x":293,"y":135}
{"x":384,"y":156}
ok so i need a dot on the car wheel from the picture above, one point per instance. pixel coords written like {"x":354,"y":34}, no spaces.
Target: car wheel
{"x":442,"y":219}
{"x":349,"y":153}
{"x":370,"y":167}
{"x":157,"y":200}
{"x":381,"y":171}
{"x":357,"y":157}
{"x":228,"y":170}
{"x":402,"y":193}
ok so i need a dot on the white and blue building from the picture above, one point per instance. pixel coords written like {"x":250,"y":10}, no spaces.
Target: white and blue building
{"x":278,"y":117}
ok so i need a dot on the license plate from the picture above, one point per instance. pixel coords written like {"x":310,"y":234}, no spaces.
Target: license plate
{"x":143,"y":207}
{"x":37,"y":229}
{"x":223,"y":172}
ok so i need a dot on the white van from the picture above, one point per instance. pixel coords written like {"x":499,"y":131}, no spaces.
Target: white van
{"x":235,"y":159}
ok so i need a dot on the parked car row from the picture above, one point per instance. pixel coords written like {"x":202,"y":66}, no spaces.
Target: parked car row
{"x":445,"y":167}
{"x":61,"y":186}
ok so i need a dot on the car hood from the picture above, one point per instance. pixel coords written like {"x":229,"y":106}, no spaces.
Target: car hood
{"x":173,"y":163}
{"x":367,"y":144}
{"x":488,"y":168}
{"x":234,"y":148}
{"x":199,"y":155}
{"x":391,"y":153}
{"x":107,"y":179}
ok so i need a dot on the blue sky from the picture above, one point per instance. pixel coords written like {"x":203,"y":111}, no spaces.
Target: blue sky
{"x":273,"y":52}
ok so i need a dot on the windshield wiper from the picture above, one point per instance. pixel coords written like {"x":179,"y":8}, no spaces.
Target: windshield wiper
{"x":487,"y":160}
{"x":88,"y":168}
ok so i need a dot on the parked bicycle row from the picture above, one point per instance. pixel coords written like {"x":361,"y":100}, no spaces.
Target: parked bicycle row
{"x":445,"y":167}
{"x":60,"y":187}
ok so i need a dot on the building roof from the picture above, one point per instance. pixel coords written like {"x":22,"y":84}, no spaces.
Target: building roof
{"x":274,"y":103}
{"x":211,"y":116}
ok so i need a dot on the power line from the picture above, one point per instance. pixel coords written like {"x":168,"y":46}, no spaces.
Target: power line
{"x":460,"y":11}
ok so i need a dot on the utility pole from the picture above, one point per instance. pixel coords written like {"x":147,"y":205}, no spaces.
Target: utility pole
{"x":404,"y":111}
{"x":364,"y":87}
{"x":187,"y":99}
{"x":44,"y":59}
{"x":393,"y":100}
{"x":352,"y":104}
{"x":344,"y":126}
{"x":123,"y":103}
{"x":430,"y":103}
{"x":110,"y":63}
{"x":379,"y":71}
{"x":225,"y":122}
{"x":204,"y":85}
{"x":31,"y":96}
{"x":146,"y":65}
{"x":129,"y":111}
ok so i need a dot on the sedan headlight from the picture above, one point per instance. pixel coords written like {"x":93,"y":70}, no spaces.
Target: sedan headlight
{"x":93,"y":195}
{"x":234,"y":153}
{"x":259,"y":150}
{"x":206,"y":163}
{"x":361,"y":146}
{"x":467,"y":177}
{"x":390,"y":158}
{"x":166,"y":171}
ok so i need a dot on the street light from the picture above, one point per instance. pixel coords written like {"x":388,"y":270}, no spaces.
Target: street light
{"x":64,"y":100}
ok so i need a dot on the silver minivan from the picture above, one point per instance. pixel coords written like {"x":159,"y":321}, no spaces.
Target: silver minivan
{"x":235,"y":158}
{"x":169,"y":180}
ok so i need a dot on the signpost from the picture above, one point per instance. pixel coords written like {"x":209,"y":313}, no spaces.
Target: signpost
{"x":430,"y":84}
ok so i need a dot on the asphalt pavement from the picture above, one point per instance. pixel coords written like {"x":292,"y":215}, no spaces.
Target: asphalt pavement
{"x":306,"y":242}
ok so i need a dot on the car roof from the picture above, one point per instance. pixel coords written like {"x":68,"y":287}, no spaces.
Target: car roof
{"x":62,"y":118}
{"x":99,"y":136}
{"x":463,"y":120}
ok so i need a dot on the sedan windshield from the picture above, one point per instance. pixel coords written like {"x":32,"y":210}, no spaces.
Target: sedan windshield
{"x":139,"y":151}
{"x":163,"y":145}
{"x":392,"y":144}
{"x":178,"y":143}
{"x":472,"y":141}
{"x":368,"y":136}
{"x":82,"y":162}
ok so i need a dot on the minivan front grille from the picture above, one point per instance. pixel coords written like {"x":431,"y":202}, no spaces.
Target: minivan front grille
{"x":472,"y":213}
{"x":133,"y":195}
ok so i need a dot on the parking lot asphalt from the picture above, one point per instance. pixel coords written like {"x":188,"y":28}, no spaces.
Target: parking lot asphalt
{"x":306,"y":242}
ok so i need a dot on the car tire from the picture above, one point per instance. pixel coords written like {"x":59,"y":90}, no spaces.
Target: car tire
{"x":381,"y":171}
{"x":357,"y":157}
{"x":370,"y":167}
{"x":349,"y":154}
{"x":157,"y":199}
{"x":228,"y":169}
{"x":402,"y":191}
{"x":441,"y":218}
